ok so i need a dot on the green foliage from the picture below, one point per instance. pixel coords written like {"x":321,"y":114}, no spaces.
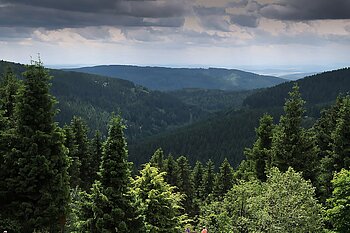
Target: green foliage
{"x":285,"y":203}
{"x":81,"y":152}
{"x":113,"y":204}
{"x":260,"y":154}
{"x":37,"y":182}
{"x":184,"y":183}
{"x":339,"y":210}
{"x":171,"y":170}
{"x":159,"y":203}
{"x":157,"y":159}
{"x":208,"y":179}
{"x":292,"y":145}
{"x":224,"y":179}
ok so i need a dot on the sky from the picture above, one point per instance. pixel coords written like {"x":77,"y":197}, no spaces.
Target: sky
{"x":251,"y":34}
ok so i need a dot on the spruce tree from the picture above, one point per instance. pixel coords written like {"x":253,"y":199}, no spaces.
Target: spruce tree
{"x":184,"y":183}
{"x":160,"y":204}
{"x":82,"y":152}
{"x":38,"y":181}
{"x":113,"y":205}
{"x":197,"y":177}
{"x":96,"y":154}
{"x":9,"y":87}
{"x":292,"y":145}
{"x":260,"y":154}
{"x":157,"y":159}
{"x":208,"y":179}
{"x":324,"y":130}
{"x":170,"y":168}
{"x":224,"y":179}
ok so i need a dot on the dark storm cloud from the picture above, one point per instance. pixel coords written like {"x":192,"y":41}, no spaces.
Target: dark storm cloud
{"x":83,"y":13}
{"x":302,"y":10}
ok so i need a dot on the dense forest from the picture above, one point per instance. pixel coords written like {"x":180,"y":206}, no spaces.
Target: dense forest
{"x":54,"y":179}
{"x":228,"y":132}
{"x":170,"y":79}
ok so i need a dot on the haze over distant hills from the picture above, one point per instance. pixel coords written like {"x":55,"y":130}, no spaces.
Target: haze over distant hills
{"x":166,"y":79}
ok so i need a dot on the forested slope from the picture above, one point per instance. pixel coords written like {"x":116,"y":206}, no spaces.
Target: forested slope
{"x":165,"y":79}
{"x":94,"y":97}
{"x":229,"y":132}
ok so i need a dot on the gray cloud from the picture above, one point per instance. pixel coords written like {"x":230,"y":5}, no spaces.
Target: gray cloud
{"x":84,"y":13}
{"x":245,"y":20}
{"x":302,"y":10}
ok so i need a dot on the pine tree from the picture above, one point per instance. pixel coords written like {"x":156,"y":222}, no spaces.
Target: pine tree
{"x":113,"y":205}
{"x":208,"y":179}
{"x":260,"y":154}
{"x":170,"y":168}
{"x":157,"y":159}
{"x":224,"y":179}
{"x":184,"y":183}
{"x":38,"y":182}
{"x":292,"y":145}
{"x":160,"y":204}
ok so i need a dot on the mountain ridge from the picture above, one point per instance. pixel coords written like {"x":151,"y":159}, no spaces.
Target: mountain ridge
{"x":170,"y":79}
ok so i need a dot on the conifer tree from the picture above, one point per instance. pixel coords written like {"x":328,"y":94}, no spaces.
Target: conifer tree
{"x":160,"y":204}
{"x":9,"y":87}
{"x":184,"y":183}
{"x":113,"y":205}
{"x":260,"y":154}
{"x":170,"y":168}
{"x":292,"y":145}
{"x":82,"y":152}
{"x":197,"y":177}
{"x":38,"y":182}
{"x":224,"y":179}
{"x":324,"y":130}
{"x":96,"y":154}
{"x":208,"y":179}
{"x":74,"y":165}
{"x":157,"y":159}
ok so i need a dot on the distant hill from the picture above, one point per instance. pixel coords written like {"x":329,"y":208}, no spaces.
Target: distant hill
{"x":167,"y":79}
{"x":227,"y":133}
{"x":95,"y":97}
{"x":319,"y":88}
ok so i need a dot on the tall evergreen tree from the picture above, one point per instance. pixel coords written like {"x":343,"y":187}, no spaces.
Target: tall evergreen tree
{"x":208,"y":179}
{"x":160,"y":204}
{"x":38,"y":183}
{"x":74,"y":165}
{"x":170,"y":167}
{"x":324,"y":130}
{"x":260,"y":154}
{"x":113,"y":205}
{"x":197,"y":177}
{"x":96,"y":154}
{"x":157,"y":159}
{"x":292,"y":145}
{"x":9,"y":87}
{"x":224,"y":179}
{"x":82,"y":152}
{"x":184,"y":183}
